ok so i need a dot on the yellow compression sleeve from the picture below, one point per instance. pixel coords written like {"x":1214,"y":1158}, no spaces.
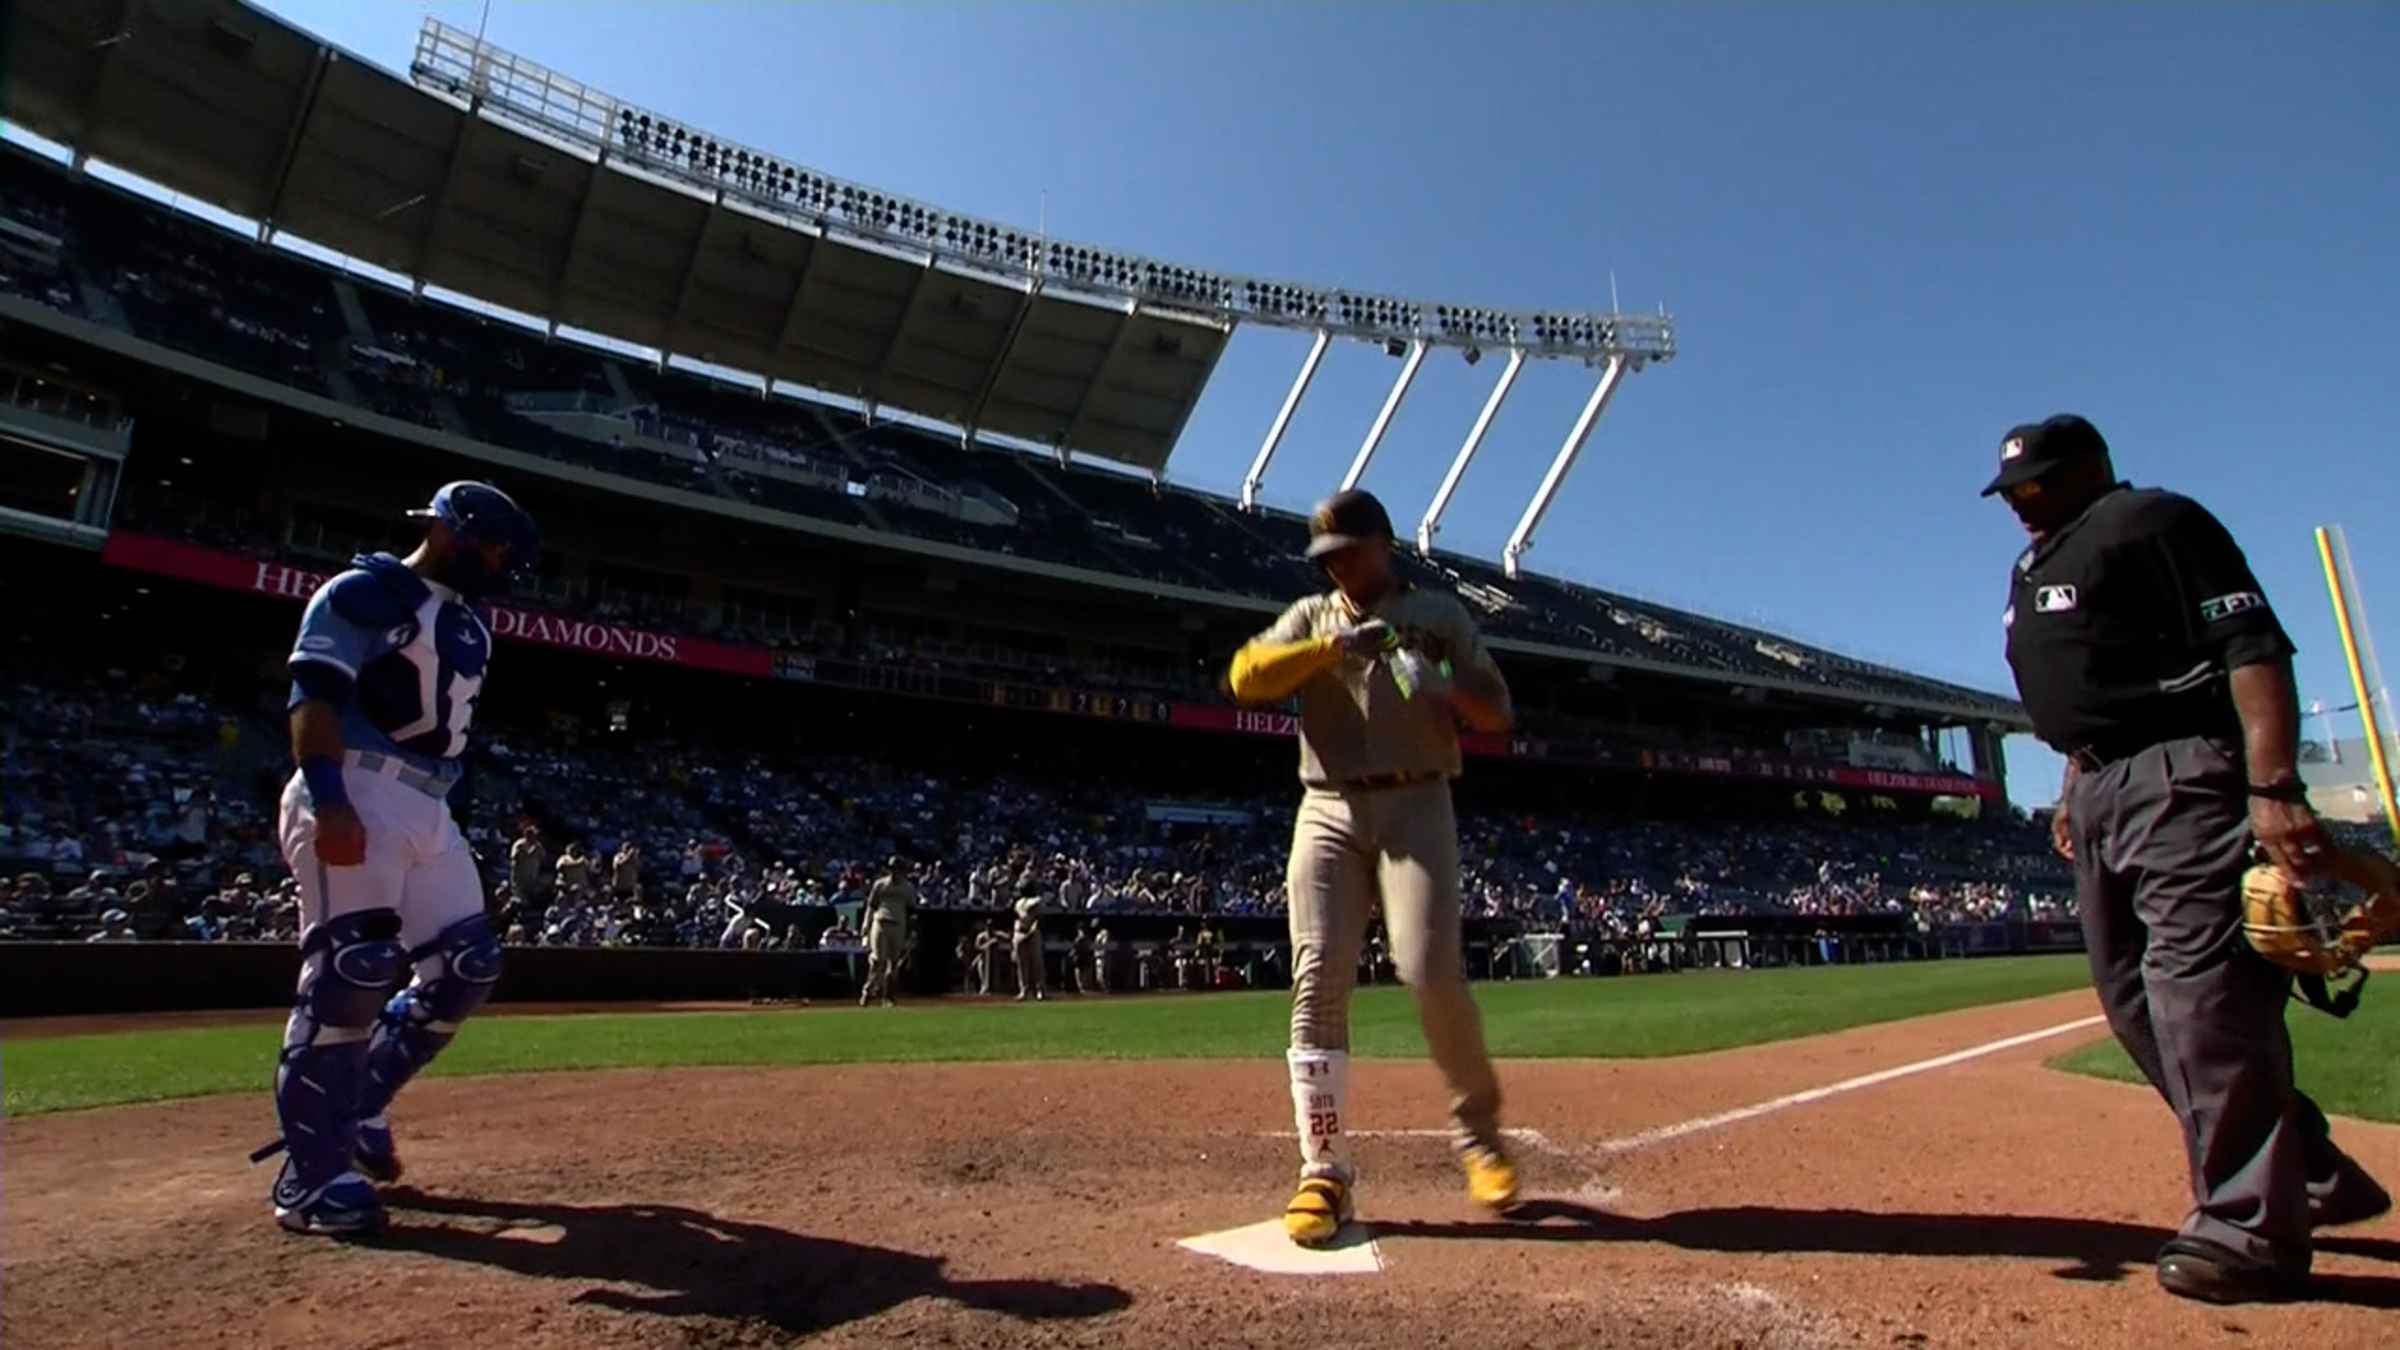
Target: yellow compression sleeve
{"x":1266,"y":671}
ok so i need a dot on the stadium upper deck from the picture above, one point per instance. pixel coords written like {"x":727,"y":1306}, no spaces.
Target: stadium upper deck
{"x":286,"y":144}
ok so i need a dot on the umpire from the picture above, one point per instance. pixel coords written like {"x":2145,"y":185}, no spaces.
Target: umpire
{"x":2146,"y":653}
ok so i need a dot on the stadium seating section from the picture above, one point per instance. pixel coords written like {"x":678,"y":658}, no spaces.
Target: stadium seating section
{"x":107,"y":256}
{"x":132,"y":807}
{"x":135,"y":806}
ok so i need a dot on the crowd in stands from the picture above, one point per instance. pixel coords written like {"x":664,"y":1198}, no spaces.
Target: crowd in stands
{"x":176,"y":280}
{"x":128,"y":811}
{"x":130,"y":808}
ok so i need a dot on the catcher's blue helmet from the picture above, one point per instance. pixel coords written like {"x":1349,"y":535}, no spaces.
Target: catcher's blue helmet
{"x":483,"y":514}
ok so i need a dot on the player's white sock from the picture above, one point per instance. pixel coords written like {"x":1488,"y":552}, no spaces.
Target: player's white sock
{"x":1320,"y":1099}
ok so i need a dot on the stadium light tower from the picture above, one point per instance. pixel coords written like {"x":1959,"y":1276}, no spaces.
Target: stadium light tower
{"x":1432,"y":523}
{"x":1521,"y":538}
{"x":1283,"y":419}
{"x":1131,"y":408}
{"x":1383,"y":419}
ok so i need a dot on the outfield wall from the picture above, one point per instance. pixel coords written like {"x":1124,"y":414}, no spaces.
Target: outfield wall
{"x":64,"y":978}
{"x":57,"y":978}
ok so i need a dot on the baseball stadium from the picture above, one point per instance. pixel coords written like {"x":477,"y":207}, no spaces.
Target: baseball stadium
{"x":874,"y":868}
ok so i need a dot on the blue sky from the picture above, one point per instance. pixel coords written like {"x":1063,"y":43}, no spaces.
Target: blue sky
{"x":1887,"y":233}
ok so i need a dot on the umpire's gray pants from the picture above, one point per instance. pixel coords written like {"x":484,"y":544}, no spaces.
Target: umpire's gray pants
{"x":2161,"y":840}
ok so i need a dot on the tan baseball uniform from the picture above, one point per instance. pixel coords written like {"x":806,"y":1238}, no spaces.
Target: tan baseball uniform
{"x":1375,"y":822}
{"x":889,"y":901}
{"x":525,"y":868}
{"x":572,"y":870}
{"x":1026,"y":936}
{"x":987,"y":958}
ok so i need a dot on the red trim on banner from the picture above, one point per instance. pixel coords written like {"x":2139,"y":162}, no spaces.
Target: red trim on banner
{"x":1249,"y":721}
{"x":210,"y":567}
{"x":1267,"y":722}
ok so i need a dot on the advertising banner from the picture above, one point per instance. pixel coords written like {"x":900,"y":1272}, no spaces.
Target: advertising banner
{"x":234,"y":572}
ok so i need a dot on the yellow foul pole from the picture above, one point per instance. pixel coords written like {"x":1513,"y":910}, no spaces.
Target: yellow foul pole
{"x":2338,"y":587}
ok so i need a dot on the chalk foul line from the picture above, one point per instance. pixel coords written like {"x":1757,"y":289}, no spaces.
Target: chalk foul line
{"x":1664,"y":1133}
{"x":1542,"y":1143}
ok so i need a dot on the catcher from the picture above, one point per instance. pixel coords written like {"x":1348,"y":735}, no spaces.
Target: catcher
{"x":2146,"y":653}
{"x":1385,"y":673}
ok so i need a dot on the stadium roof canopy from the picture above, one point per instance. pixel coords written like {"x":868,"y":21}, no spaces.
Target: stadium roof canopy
{"x":504,"y":182}
{"x":494,"y":177}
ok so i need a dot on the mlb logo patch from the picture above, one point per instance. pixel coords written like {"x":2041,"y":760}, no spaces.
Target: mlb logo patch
{"x":2054,"y":600}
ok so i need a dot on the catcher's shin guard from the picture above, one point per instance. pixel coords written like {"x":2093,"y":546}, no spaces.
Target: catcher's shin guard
{"x":455,"y":974}
{"x":348,"y":965}
{"x":377,"y":1155}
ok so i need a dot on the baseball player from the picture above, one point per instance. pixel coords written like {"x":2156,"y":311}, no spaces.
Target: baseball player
{"x":625,"y":872}
{"x":389,"y":661}
{"x":526,"y":860}
{"x":988,"y":946}
{"x":966,"y":963}
{"x":1385,"y":673}
{"x":1025,"y":938}
{"x":574,"y":874}
{"x":889,"y":901}
{"x":1208,"y":952}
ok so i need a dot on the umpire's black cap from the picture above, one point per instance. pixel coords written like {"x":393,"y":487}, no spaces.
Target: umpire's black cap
{"x":1345,"y":520}
{"x":2029,"y":451}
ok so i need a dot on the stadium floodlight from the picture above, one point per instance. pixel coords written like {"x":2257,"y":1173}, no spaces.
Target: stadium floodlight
{"x":458,"y":64}
{"x":1432,"y":523}
{"x":1521,"y":538}
{"x":1383,"y":419}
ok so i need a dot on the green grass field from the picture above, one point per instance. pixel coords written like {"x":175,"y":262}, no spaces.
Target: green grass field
{"x":2352,"y":1067}
{"x":1632,"y":1018}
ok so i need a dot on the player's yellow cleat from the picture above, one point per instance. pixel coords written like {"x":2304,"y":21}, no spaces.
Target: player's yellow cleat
{"x":1491,"y":1177}
{"x":1316,"y":1212}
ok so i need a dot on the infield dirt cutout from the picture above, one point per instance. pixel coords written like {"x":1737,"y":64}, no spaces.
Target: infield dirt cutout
{"x":1983,"y":1202}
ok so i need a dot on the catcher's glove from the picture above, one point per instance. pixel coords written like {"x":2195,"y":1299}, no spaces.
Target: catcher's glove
{"x":2322,"y":933}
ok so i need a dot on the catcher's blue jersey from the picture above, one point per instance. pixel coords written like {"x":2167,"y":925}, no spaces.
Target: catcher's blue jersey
{"x":409,"y":653}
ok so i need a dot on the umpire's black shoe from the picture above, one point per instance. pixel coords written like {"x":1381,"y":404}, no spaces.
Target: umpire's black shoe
{"x":2348,"y":1196}
{"x":2196,"y":1268}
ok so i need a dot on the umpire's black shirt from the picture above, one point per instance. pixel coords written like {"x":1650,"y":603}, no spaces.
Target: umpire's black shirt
{"x":2123,"y":624}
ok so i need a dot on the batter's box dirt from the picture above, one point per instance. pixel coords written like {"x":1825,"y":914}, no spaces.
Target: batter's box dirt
{"x":1990,"y":1203}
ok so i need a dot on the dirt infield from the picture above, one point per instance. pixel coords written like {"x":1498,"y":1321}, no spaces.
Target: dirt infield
{"x":1988,"y":1202}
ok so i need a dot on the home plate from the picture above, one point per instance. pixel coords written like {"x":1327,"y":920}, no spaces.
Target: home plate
{"x":1264,"y":1247}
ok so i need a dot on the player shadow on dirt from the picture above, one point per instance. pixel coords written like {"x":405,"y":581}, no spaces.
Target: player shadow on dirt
{"x":689,"y":1263}
{"x":2097,"y":1249}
